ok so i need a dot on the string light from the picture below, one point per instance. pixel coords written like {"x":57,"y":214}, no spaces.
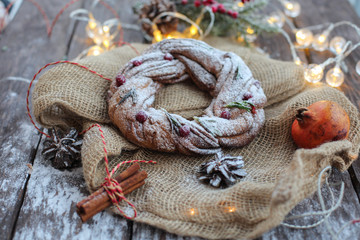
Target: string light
{"x":95,"y":51}
{"x":304,"y":37}
{"x":320,"y":42}
{"x":313,"y":73}
{"x":194,"y":31}
{"x":102,"y":34}
{"x":297,"y":61}
{"x":292,"y":9}
{"x":335,"y":77}
{"x":230,"y":209}
{"x":106,"y":29}
{"x":250,"y":34}
{"x":157,"y":36}
{"x":192,"y":211}
{"x":337,"y":44}
{"x":276,"y":19}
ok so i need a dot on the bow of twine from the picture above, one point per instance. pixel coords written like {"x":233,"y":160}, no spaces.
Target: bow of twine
{"x":111,"y":186}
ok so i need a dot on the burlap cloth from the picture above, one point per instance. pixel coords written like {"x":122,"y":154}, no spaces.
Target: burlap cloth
{"x":279,"y":174}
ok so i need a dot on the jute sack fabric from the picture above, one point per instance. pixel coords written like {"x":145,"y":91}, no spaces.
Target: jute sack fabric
{"x":279,"y":174}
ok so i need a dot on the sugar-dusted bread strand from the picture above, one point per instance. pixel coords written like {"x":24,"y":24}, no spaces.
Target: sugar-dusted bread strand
{"x":223,"y":74}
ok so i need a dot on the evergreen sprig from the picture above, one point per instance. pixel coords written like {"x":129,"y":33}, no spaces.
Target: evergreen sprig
{"x":225,"y":25}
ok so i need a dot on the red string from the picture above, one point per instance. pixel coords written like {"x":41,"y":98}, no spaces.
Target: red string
{"x":32,"y":80}
{"x":111,"y":186}
{"x":355,"y":221}
{"x":49,"y":30}
{"x":128,"y":44}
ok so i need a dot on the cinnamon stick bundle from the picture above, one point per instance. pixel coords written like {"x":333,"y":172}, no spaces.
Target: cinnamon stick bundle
{"x":129,"y":180}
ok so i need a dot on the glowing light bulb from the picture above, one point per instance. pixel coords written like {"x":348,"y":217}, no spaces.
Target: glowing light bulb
{"x":93,"y":29}
{"x":174,"y":34}
{"x":95,"y":51}
{"x":106,"y":43}
{"x":304,"y":37}
{"x":297,"y":61}
{"x":337,"y":44}
{"x":357,"y":68}
{"x":106,"y":29}
{"x":230,"y":209}
{"x":320,"y":42}
{"x":313,"y":73}
{"x":250,"y":34}
{"x":192,"y":211}
{"x":157,"y":36}
{"x":92,"y":24}
{"x":240,"y":4}
{"x":335,"y":77}
{"x":249,"y":30}
{"x":193,"y":30}
{"x":276,"y":19}
{"x":292,"y":9}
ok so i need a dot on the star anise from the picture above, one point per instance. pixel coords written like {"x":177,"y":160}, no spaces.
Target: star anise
{"x":63,"y":148}
{"x":222,"y":171}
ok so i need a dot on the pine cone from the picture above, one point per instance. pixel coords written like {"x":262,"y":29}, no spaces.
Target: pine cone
{"x":63,"y":148}
{"x":165,"y":24}
{"x":222,"y":171}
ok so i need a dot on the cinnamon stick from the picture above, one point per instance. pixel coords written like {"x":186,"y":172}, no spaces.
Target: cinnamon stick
{"x":121,"y":177}
{"x":129,"y":180}
{"x":86,"y":216}
{"x":104,"y":199}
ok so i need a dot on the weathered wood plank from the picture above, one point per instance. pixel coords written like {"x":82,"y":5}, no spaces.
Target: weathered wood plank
{"x":25,"y":43}
{"x":49,"y":210}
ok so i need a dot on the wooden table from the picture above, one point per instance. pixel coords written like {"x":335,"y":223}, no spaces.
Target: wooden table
{"x":41,"y":204}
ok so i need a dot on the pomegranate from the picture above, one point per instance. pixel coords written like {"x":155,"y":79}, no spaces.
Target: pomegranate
{"x":321,"y":122}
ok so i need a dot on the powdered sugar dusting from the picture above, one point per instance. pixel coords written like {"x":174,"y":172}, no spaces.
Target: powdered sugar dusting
{"x":223,"y":74}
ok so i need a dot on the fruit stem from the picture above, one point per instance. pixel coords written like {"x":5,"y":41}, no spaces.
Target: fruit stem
{"x":301,"y":114}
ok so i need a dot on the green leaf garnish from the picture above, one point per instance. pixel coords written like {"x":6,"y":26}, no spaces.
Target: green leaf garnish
{"x":241,"y":105}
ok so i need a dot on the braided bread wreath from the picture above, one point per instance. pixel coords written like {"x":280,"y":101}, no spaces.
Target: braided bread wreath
{"x":223,"y":74}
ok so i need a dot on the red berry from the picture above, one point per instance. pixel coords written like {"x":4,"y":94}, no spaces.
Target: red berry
{"x":234,"y":15}
{"x":168,"y":57}
{"x":141,"y":117}
{"x":136,"y":63}
{"x":229,"y":12}
{"x":247,"y":96}
{"x":184,"y":2}
{"x":253,"y":109}
{"x":184,"y":131}
{"x":225,"y":114}
{"x":197,"y":3}
{"x":214,"y":8}
{"x":120,"y":80}
{"x":221,"y":8}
